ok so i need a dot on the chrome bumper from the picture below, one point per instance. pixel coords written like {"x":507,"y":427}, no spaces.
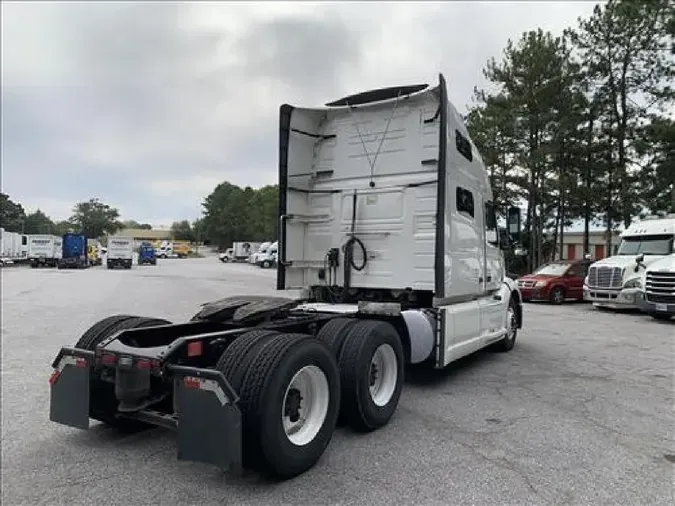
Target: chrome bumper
{"x":612,"y":298}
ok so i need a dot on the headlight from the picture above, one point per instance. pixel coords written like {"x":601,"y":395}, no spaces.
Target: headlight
{"x":633,"y":283}
{"x":541,"y":283}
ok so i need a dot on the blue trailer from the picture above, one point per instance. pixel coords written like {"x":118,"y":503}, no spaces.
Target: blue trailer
{"x":146,"y":254}
{"x":74,"y":252}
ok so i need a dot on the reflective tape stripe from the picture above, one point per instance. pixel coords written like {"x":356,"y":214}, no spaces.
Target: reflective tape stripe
{"x":71,"y":360}
{"x":207,"y":384}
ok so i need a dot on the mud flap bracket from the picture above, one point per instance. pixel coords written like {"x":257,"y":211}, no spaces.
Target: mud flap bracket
{"x":69,"y":388}
{"x":209,"y":420}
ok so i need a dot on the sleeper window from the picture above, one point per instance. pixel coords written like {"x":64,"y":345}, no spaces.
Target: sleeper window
{"x":465,"y":201}
{"x":463,"y":146}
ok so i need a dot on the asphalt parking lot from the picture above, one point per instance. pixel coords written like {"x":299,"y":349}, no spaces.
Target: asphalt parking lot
{"x":580,"y":412}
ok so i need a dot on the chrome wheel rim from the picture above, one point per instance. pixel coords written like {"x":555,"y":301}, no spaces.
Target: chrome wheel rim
{"x":305,"y":405}
{"x":511,"y":324}
{"x":383,"y":375}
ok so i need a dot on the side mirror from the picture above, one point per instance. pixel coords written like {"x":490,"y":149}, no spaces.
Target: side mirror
{"x":639,"y":262}
{"x":504,"y":239}
{"x":513,"y":224}
{"x":491,"y":237}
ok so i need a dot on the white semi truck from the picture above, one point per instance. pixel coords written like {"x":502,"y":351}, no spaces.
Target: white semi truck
{"x":260,"y":252}
{"x":616,"y":282}
{"x":268,"y":257}
{"x":387,"y":228}
{"x":658,"y":288}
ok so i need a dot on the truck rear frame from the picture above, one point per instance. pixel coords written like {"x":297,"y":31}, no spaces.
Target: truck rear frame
{"x":261,"y":382}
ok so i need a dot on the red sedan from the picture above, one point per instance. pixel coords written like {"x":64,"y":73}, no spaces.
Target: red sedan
{"x":555,"y":282}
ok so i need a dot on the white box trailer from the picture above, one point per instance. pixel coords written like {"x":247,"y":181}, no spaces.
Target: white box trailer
{"x":10,"y":247}
{"x":387,"y":226}
{"x":16,"y":248}
{"x":42,"y":250}
{"x":6,"y":244}
{"x":120,"y":252}
{"x":58,"y":247}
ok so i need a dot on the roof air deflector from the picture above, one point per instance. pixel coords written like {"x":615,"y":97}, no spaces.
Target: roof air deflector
{"x":377,"y":95}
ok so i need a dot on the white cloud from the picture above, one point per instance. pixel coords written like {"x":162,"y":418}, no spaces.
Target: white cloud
{"x":139,"y":103}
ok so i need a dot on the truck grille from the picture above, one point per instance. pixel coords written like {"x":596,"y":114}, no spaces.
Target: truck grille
{"x":605,"y":277}
{"x":660,"y":287}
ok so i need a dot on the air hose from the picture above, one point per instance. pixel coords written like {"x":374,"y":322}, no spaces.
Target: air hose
{"x":348,"y":250}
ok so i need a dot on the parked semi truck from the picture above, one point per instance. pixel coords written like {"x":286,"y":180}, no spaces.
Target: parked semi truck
{"x":146,"y":254}
{"x":75,"y":248}
{"x":260,"y":251}
{"x":657,"y":297}
{"x":44,"y":250}
{"x":615,"y":282}
{"x":268,"y":257}
{"x":120,"y":252}
{"x":392,"y":242}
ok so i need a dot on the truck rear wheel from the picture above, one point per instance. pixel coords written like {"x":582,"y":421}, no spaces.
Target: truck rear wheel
{"x":235,"y":360}
{"x":334,"y":332}
{"x":102,"y":401}
{"x":371,"y":372}
{"x":290,"y":399}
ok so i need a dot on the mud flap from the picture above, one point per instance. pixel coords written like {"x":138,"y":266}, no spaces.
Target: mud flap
{"x":209,"y":420}
{"x":69,"y":388}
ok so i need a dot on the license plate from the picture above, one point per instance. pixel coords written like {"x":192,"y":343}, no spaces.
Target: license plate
{"x":661,"y":307}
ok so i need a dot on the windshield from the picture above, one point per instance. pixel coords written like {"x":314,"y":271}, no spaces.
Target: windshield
{"x":648,"y":245}
{"x":552,"y":269}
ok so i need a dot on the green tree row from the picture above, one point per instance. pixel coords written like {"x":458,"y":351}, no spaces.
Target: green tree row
{"x":580,"y":126}
{"x":93,"y":217}
{"x":235,"y":214}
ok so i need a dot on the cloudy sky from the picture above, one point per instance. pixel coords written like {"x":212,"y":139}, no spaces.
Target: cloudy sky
{"x":148,"y":106}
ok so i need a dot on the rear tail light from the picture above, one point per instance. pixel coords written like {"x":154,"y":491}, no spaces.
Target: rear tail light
{"x":195,"y":349}
{"x":190,"y":382}
{"x":108,"y":359}
{"x":143,"y":364}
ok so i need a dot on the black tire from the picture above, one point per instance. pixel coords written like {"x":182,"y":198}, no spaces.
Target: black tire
{"x":99,"y":331}
{"x":266,"y":264}
{"x":334,"y":333}
{"x":355,"y":361}
{"x":661,"y":316}
{"x":236,"y":358}
{"x":557,"y":295}
{"x":102,"y":401}
{"x":509,"y":340}
{"x":267,"y":448}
